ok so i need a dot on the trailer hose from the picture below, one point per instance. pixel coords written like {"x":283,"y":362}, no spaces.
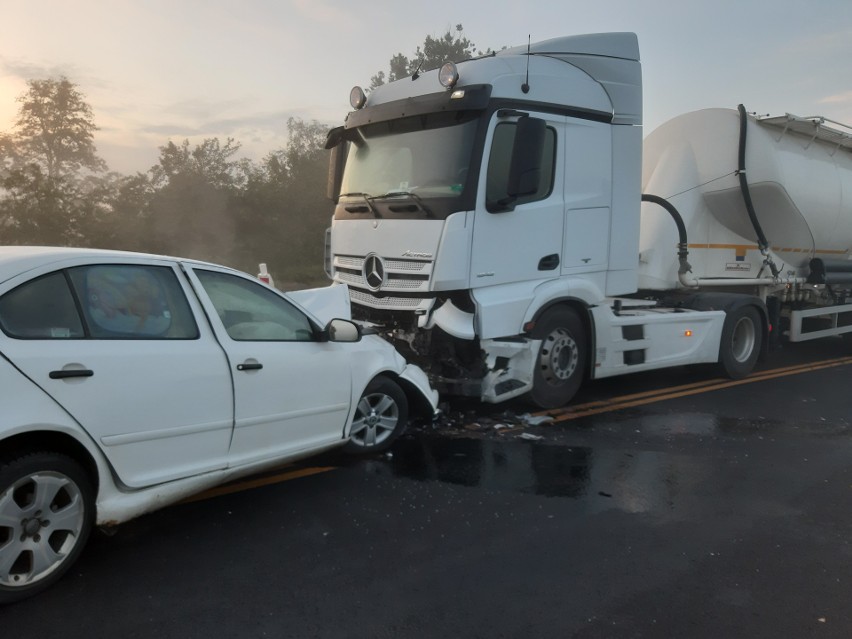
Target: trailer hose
{"x":682,"y":246}
{"x":741,"y":173}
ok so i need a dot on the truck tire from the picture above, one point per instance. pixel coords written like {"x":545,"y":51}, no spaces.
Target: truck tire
{"x":47,"y":509}
{"x":561,"y":361}
{"x":742,"y":338}
{"x":380,"y":417}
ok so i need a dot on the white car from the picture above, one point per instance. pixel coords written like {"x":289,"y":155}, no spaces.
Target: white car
{"x":131,"y":381}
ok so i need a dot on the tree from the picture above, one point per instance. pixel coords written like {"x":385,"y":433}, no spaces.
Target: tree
{"x":191,"y":209}
{"x":209,"y":161}
{"x":283,"y":211}
{"x":55,"y":129}
{"x":453,"y":46}
{"x":44,"y":196}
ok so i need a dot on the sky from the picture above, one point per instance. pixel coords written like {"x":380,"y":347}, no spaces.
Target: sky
{"x":161,"y":70}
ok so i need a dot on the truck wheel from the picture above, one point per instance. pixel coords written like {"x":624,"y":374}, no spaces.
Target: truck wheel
{"x":46,"y":513}
{"x":741,"y":341}
{"x":380,"y":417}
{"x":561,"y":363}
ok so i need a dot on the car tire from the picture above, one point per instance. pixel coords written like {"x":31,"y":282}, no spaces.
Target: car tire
{"x":742,"y":338}
{"x":380,"y":417}
{"x":47,"y":510}
{"x":561,"y":361}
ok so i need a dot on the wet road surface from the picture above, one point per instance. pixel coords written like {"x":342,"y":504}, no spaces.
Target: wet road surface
{"x":723,"y":513}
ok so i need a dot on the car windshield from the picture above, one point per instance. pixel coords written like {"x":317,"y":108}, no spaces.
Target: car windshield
{"x":425,"y":155}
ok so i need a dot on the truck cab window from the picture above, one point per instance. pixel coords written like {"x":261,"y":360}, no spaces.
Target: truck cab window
{"x":425,"y":155}
{"x":498,"y":167}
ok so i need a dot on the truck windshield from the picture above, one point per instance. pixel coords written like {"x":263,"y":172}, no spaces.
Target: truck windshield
{"x":426,"y":155}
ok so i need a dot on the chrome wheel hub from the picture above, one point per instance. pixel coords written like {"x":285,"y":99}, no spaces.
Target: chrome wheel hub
{"x":559,"y":356}
{"x":375,"y":419}
{"x":41,"y":518}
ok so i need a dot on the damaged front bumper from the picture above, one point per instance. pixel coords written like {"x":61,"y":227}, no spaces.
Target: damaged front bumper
{"x":510,"y":365}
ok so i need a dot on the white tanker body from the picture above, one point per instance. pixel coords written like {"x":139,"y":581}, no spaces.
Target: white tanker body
{"x":489,"y":224}
{"x":799,"y":174}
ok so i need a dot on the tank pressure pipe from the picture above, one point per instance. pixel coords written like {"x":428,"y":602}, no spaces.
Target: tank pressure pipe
{"x":682,"y":250}
{"x":752,"y":214}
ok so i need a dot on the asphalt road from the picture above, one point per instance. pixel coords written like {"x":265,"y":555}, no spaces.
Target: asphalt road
{"x":666,"y":505}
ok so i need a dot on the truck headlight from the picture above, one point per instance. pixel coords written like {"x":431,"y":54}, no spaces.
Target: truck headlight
{"x":357,"y":98}
{"x":448,"y":75}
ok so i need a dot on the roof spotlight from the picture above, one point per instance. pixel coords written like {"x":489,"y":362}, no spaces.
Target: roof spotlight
{"x":357,"y":98}
{"x":448,"y":75}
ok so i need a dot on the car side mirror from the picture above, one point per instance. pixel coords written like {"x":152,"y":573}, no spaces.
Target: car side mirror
{"x":337,"y":160}
{"x":341,"y":330}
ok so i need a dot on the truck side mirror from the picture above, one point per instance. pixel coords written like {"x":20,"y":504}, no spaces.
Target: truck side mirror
{"x":525,"y":168}
{"x":336,"y":162}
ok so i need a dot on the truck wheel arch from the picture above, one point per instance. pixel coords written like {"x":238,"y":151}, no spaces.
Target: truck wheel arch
{"x":730,"y":302}
{"x":550,"y":393}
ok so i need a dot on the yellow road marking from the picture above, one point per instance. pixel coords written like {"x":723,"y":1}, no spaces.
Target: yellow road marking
{"x":566,"y":414}
{"x":257,"y":483}
{"x":649,"y":397}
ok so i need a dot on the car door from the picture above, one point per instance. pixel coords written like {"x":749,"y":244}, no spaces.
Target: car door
{"x":127,"y":353}
{"x":292,"y":391}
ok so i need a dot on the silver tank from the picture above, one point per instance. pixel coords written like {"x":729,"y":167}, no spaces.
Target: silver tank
{"x":800,"y":178}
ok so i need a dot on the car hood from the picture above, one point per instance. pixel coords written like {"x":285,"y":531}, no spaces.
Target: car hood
{"x":326,"y":303}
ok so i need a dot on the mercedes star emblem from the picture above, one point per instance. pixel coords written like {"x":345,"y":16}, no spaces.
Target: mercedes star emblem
{"x":374,"y":272}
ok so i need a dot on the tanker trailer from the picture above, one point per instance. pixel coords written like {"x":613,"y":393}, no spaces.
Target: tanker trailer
{"x":767,"y":208}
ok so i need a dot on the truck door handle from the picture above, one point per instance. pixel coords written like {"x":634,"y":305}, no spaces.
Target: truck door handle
{"x":249,"y":366}
{"x":548,"y":262}
{"x":84,"y":372}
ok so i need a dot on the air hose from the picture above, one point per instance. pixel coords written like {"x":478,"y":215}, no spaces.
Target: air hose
{"x":682,"y":246}
{"x":763,"y":245}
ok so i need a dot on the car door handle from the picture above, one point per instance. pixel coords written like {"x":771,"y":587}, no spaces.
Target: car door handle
{"x":249,"y":366}
{"x":84,"y":372}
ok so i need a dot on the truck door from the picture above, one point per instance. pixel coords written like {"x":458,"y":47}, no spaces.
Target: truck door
{"x":524,"y":243}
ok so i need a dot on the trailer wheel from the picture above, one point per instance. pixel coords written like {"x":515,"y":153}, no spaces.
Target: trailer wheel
{"x":47,"y":508}
{"x":741,"y":341}
{"x":561,"y":362}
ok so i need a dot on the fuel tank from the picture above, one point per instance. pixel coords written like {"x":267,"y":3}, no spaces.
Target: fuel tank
{"x":799,"y":172}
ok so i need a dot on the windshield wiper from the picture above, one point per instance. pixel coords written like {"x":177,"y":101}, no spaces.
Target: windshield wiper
{"x":410,"y":194}
{"x":361,"y":209}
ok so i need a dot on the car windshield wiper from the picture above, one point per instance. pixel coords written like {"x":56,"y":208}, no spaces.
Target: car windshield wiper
{"x":409,"y":194}
{"x":361,"y":209}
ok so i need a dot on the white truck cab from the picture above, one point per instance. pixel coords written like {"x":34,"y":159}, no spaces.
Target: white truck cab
{"x":487,"y":220}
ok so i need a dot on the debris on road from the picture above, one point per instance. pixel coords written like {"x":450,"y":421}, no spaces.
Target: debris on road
{"x":530,"y":437}
{"x":535,"y":420}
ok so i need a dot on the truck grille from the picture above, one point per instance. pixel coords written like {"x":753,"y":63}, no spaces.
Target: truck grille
{"x":398,"y":303}
{"x":400,"y":275}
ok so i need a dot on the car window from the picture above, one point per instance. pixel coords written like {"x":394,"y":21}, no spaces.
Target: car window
{"x":252,"y":312}
{"x":123,"y":301}
{"x":42,"y":308}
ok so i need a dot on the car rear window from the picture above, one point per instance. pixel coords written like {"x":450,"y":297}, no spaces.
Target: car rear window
{"x":122,"y":301}
{"x":41,"y":309}
{"x":117,"y":301}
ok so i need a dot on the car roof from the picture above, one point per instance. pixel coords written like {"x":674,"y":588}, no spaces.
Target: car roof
{"x":15,"y":260}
